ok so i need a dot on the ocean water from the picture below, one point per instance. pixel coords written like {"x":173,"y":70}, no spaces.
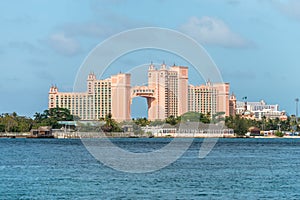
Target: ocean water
{"x":234,"y":169}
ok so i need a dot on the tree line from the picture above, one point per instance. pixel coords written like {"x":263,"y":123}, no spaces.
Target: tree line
{"x":14,"y":123}
{"x":241,"y":125}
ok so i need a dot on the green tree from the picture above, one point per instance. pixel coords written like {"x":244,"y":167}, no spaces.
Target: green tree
{"x":219,"y":116}
{"x":10,"y":123}
{"x":172,"y":120}
{"x":156,"y":122}
{"x":2,"y":128}
{"x":59,"y":114}
{"x":110,"y":124}
{"x":38,"y":117}
{"x":285,"y":125}
{"x":24,"y":124}
{"x":195,"y":117}
{"x":238,"y":124}
{"x":14,"y":123}
{"x":279,"y":134}
{"x":51,"y":117}
{"x":141,"y":121}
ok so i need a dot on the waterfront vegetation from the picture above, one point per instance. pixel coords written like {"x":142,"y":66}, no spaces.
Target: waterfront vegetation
{"x":110,"y":125}
{"x":14,"y":123}
{"x":241,"y":125}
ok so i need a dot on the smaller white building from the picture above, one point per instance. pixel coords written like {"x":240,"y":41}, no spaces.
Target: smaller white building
{"x":260,"y":109}
{"x":160,"y":131}
{"x":189,"y":129}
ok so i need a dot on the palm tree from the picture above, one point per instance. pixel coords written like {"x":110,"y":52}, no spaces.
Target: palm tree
{"x":38,"y":117}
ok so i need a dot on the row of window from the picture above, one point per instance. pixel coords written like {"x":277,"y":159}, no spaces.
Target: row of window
{"x":146,"y":90}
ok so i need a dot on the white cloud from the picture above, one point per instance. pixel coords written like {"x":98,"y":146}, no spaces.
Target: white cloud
{"x":66,"y":37}
{"x":213,"y":31}
{"x":290,"y":8}
{"x":64,"y":45}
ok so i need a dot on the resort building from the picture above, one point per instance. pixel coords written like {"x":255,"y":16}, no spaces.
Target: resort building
{"x":209,"y":98}
{"x":258,"y":110}
{"x":232,"y":105}
{"x":168,"y":94}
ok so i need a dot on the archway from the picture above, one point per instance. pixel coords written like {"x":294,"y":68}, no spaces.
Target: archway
{"x":139,"y":108}
{"x":147,"y":93}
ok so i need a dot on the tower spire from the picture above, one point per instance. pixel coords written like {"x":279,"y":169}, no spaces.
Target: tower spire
{"x":163,"y":66}
{"x":151,"y":67}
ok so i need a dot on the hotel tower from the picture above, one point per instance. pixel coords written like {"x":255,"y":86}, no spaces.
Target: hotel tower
{"x":168,"y":94}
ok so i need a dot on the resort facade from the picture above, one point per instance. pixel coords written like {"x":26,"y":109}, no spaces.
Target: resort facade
{"x":168,"y":93}
{"x":259,"y":110}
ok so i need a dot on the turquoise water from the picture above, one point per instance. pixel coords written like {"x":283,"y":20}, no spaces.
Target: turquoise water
{"x":234,"y":169}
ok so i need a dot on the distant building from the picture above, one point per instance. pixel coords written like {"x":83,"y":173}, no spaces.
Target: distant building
{"x":170,"y":91}
{"x":93,"y":104}
{"x":42,"y":131}
{"x":189,"y":129}
{"x":232,"y":105}
{"x":258,"y":110}
{"x":168,"y":94}
{"x":209,"y":98}
{"x":163,"y":130}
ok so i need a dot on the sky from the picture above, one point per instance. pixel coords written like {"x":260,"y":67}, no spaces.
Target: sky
{"x":254,"y":43}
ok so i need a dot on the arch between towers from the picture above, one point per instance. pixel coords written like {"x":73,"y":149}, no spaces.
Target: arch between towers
{"x":152,"y":100}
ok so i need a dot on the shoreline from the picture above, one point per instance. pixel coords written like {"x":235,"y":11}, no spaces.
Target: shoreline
{"x":77,"y":136}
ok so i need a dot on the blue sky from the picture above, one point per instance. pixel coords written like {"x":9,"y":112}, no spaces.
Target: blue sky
{"x":255,"y":43}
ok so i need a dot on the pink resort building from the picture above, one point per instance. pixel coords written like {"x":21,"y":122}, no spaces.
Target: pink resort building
{"x":167,"y":93}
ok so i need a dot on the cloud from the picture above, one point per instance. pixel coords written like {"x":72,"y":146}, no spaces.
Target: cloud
{"x":290,"y":8}
{"x":66,"y":37}
{"x":213,"y":31}
{"x":64,"y":45}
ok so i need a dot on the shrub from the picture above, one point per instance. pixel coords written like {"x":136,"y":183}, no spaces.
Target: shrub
{"x":279,"y":134}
